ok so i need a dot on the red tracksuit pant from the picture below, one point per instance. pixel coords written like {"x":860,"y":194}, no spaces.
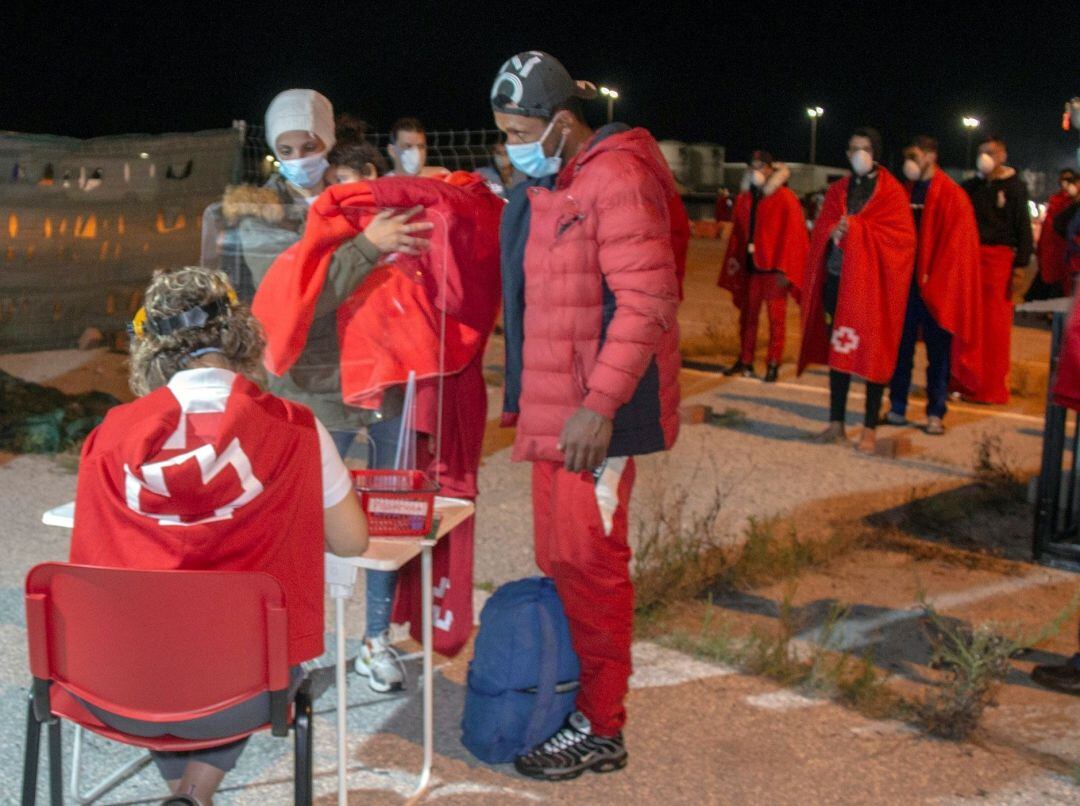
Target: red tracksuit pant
{"x":763,"y":287}
{"x":591,"y":570}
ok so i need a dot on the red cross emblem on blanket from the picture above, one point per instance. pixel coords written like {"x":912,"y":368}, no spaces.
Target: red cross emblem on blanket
{"x":845,"y":340}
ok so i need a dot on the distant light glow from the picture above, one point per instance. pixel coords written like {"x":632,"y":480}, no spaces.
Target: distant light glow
{"x":144,"y":156}
{"x":608,"y":91}
{"x":815,"y":111}
{"x":970,"y":122}
{"x":269,"y":157}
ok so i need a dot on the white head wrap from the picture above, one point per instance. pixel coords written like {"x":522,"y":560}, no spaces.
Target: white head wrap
{"x":300,"y":110}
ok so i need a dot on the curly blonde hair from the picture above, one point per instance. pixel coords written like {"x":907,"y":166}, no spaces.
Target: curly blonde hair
{"x":236,"y":333}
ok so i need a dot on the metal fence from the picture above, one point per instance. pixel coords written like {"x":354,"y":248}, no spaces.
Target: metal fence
{"x":464,"y":150}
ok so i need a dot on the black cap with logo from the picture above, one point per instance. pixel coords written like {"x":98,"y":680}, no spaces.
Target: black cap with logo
{"x":534,"y":84}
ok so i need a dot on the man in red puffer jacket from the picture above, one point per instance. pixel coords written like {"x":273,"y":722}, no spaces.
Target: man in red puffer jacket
{"x":594,"y":249}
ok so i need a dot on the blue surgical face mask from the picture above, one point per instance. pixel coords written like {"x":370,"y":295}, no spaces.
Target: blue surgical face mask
{"x":306,"y":172}
{"x":530,"y":159}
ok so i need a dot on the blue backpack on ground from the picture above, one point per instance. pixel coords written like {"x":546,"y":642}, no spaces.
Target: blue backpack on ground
{"x":523,"y":678}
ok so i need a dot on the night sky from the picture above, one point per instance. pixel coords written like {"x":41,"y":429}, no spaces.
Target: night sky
{"x":740,"y":74}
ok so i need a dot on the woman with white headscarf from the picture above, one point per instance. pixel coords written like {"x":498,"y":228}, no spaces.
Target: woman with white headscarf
{"x":300,"y":129}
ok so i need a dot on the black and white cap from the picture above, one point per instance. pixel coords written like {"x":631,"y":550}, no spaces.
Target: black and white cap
{"x":535,"y":84}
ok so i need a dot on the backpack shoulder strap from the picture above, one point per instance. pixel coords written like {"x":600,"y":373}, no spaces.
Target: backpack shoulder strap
{"x":547,"y":679}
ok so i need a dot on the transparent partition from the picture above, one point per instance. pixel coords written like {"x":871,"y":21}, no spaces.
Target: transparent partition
{"x":243,"y":234}
{"x":363,"y":343}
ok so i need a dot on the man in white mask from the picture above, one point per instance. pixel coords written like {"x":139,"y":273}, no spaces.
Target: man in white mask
{"x":944,"y":305}
{"x":765,"y":260}
{"x":1000,"y":200}
{"x":862,"y":255}
{"x":408,"y":149}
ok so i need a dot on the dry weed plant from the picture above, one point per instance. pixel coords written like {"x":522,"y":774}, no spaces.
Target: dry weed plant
{"x":996,"y":466}
{"x":976,"y":661}
{"x":678,"y":551}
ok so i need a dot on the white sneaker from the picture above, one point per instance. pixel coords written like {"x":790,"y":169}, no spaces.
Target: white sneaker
{"x":378,"y":661}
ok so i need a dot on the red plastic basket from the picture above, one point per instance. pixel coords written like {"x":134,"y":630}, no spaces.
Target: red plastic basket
{"x":398,"y":503}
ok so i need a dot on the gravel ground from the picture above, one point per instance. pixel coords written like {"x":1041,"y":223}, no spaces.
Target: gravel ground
{"x":764,"y":466}
{"x":727,"y":736}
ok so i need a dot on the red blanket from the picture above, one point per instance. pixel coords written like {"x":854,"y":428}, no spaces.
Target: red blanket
{"x":394,"y":321}
{"x":879,"y":257}
{"x":995,"y":284}
{"x":780,"y":241}
{"x":1051,"y":247}
{"x":1067,"y":383}
{"x":947,"y":267}
{"x":392,"y":324}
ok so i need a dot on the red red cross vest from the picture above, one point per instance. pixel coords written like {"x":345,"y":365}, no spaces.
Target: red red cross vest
{"x":186,"y":478}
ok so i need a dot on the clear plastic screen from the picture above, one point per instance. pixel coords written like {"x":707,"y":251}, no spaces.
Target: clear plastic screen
{"x":375,"y":350}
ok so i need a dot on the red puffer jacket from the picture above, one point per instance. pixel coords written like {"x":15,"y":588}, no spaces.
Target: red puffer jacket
{"x":603,"y":266}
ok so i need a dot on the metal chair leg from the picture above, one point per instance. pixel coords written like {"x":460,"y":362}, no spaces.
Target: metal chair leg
{"x":30,"y":757}
{"x":56,"y":764}
{"x":305,"y":747}
{"x":114,"y":779}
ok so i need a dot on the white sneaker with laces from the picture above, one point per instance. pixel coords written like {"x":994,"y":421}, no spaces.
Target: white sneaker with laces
{"x":379,"y":662}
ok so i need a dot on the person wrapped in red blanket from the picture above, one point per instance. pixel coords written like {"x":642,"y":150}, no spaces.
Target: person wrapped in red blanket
{"x":430,"y":313}
{"x":1000,"y":199}
{"x":862,"y":255}
{"x":1054,"y":278}
{"x":765,"y":260}
{"x":944,"y":305}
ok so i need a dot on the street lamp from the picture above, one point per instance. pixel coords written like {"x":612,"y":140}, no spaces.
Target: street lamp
{"x":612,"y":95}
{"x":970,"y":125}
{"x":814,"y":113}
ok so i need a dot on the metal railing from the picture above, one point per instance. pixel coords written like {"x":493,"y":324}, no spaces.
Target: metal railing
{"x":1057,"y":498}
{"x":462,"y":150}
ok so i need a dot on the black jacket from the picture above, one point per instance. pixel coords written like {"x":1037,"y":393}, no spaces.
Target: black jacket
{"x":1001,"y":209}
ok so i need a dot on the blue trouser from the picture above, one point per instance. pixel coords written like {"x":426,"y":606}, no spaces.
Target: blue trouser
{"x":938,"y":346}
{"x":380,"y":585}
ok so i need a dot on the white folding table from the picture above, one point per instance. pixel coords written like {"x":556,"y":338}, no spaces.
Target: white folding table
{"x":383,"y":554}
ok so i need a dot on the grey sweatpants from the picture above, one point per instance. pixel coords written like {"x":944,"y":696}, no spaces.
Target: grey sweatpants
{"x":245,"y":716}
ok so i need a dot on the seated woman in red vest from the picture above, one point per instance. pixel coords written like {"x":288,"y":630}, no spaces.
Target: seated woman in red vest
{"x":205,"y":470}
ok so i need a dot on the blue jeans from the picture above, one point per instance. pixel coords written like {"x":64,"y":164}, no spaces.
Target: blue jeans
{"x":343,"y":440}
{"x":938,"y":347}
{"x":380,"y":586}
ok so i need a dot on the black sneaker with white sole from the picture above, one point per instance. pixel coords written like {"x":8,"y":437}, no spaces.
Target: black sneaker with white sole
{"x":571,"y":751}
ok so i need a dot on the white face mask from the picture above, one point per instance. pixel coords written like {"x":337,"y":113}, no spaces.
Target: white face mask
{"x":410,"y":159}
{"x":912,"y":171}
{"x":861,"y":162}
{"x":985,"y":164}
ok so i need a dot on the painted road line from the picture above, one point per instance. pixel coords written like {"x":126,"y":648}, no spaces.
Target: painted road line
{"x":852,"y":633}
{"x":656,"y":666}
{"x":1038,"y":790}
{"x":821,"y":390}
{"x":782,"y":700}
